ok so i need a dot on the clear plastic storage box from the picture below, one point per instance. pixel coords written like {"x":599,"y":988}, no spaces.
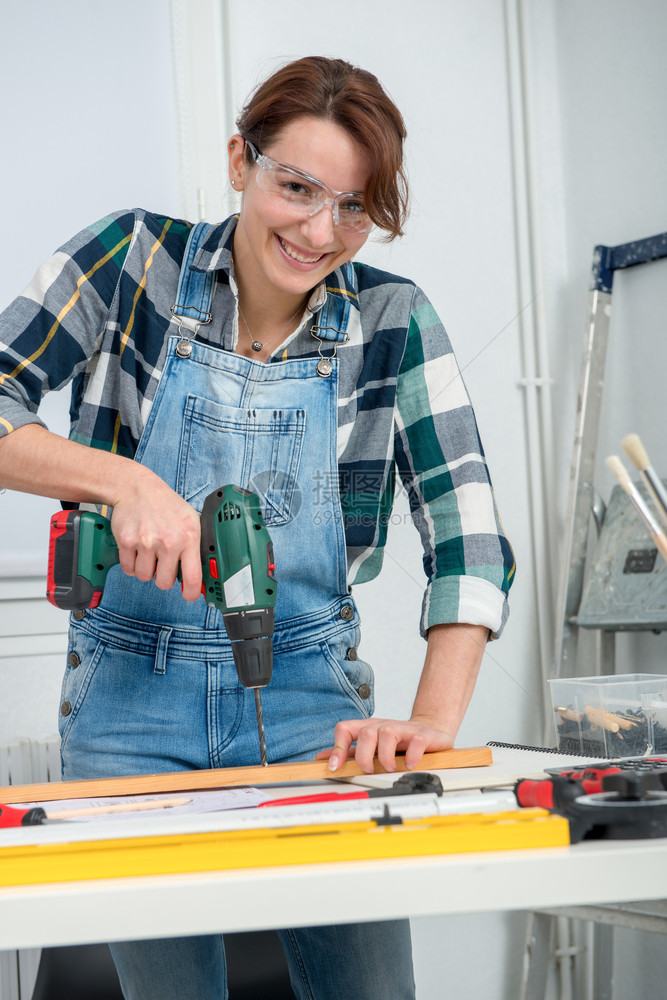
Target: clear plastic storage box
{"x":612,"y":716}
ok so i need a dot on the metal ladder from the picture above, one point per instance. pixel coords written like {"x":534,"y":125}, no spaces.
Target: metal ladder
{"x":559,"y":933}
{"x":583,"y":500}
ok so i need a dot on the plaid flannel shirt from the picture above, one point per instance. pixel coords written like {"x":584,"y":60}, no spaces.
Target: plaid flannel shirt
{"x":99,"y":313}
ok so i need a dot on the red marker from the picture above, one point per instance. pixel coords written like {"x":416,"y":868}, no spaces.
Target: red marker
{"x":413,"y":783}
{"x":297,"y":800}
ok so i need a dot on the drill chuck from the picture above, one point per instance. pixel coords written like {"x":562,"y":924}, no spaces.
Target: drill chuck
{"x":251,"y":635}
{"x":253,"y":659}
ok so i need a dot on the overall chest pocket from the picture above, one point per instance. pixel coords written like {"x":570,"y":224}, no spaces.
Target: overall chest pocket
{"x":259,"y":449}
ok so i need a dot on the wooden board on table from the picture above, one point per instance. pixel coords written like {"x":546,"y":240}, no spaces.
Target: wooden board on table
{"x":185,"y":781}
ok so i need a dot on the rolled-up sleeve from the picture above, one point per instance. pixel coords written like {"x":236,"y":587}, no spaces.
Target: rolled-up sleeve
{"x":468,"y":561}
{"x":49,"y":333}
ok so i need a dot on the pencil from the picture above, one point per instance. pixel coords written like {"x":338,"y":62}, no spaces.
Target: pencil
{"x":120,"y":807}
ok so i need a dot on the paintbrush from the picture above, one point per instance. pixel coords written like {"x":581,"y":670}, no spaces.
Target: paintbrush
{"x":640,"y":505}
{"x":636,"y":452}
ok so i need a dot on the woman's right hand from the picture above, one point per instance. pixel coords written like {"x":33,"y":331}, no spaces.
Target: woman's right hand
{"x":155,"y":530}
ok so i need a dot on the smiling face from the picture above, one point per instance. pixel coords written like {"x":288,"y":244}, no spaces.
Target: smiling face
{"x":276,"y":254}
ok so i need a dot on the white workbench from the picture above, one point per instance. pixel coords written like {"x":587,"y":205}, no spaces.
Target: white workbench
{"x":174,"y":905}
{"x":593,"y":872}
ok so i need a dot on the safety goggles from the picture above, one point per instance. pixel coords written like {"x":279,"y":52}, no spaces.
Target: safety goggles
{"x":305,"y":196}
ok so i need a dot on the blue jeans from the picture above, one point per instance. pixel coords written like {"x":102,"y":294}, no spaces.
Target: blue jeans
{"x":146,"y":698}
{"x":347,"y":962}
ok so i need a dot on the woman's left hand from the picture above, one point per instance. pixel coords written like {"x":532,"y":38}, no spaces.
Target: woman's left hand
{"x":381,"y":738}
{"x":453,"y":657}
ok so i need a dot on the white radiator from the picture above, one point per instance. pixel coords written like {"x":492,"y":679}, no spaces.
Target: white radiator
{"x":21,"y":762}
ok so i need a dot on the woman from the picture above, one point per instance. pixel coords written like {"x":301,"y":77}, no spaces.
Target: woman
{"x":275,"y":363}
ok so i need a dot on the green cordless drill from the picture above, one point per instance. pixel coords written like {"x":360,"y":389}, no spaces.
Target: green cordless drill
{"x":237,"y":569}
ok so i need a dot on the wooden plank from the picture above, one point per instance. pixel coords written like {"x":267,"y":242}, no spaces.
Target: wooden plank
{"x":184,"y":781}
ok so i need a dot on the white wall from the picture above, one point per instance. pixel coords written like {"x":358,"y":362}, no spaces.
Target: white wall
{"x":88,"y":126}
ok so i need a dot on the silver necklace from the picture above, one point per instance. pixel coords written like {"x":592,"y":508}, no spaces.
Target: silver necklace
{"x":257,"y":345}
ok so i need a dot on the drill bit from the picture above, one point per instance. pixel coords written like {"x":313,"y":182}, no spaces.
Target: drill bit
{"x":260,"y":726}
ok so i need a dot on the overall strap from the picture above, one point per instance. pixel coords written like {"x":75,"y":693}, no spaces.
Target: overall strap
{"x":333,"y":319}
{"x":195,"y":288}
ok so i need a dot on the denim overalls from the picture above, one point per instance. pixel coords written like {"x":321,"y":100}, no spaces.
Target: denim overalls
{"x":151,"y":684}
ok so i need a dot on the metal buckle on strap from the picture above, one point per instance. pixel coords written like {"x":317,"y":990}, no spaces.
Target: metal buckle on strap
{"x":184,"y":346}
{"x":325,"y":365}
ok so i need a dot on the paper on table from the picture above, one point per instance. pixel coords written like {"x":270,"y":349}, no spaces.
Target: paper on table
{"x":242,"y":797}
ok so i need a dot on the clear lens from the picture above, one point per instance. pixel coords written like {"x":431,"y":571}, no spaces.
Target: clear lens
{"x":291,"y":187}
{"x":305,"y":196}
{"x":352,"y":214}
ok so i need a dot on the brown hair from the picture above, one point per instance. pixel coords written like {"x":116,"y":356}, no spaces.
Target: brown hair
{"x":352,"y":98}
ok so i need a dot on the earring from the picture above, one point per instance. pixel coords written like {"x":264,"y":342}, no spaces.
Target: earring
{"x":231,"y":145}
{"x":233,"y":183}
